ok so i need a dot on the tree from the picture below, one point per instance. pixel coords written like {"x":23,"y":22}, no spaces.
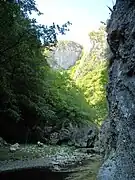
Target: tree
{"x":90,"y":74}
{"x":23,"y":94}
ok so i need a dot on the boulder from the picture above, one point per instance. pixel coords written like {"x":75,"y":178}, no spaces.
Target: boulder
{"x":84,"y":136}
{"x":40,"y":144}
{"x":3,"y":142}
{"x":14,"y":147}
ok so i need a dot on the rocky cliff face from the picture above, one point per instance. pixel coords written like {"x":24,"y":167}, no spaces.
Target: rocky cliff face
{"x":120,"y":144}
{"x":65,"y":55}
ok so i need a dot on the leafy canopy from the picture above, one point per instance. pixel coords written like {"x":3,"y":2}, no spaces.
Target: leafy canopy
{"x":91,"y":76}
{"x":31,"y":94}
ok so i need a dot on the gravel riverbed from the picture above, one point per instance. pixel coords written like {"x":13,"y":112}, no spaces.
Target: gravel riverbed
{"x":55,"y":158}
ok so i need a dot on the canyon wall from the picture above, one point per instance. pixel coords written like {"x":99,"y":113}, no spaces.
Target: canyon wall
{"x":119,"y":144}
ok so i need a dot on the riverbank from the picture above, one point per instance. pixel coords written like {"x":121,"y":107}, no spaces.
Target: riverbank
{"x":53,"y":158}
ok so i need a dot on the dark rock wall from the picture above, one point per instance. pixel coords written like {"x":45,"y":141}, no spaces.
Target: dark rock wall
{"x":120,"y":147}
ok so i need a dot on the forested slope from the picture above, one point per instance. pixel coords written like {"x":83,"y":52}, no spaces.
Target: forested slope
{"x":34,"y":95}
{"x":31,"y":94}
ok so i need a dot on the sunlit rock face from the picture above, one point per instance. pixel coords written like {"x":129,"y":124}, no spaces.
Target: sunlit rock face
{"x":119,"y":159}
{"x":65,"y":55}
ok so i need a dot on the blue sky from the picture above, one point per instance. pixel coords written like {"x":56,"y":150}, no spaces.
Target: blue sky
{"x":85,"y":15}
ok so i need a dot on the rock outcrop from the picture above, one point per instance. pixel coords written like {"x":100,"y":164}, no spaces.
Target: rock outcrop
{"x":14,"y":147}
{"x":65,"y":55}
{"x":83,"y":136}
{"x":119,"y":163}
{"x":3,"y":142}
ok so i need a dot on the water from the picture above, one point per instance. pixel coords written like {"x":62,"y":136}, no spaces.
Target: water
{"x":33,"y":174}
{"x":86,"y":171}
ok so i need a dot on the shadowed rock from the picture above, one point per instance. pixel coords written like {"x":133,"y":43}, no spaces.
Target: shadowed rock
{"x":119,"y":147}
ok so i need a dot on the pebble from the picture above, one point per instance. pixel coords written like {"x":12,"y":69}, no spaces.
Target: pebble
{"x":63,"y":157}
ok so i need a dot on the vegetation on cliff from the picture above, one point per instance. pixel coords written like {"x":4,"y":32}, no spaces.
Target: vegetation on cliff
{"x":91,"y":76}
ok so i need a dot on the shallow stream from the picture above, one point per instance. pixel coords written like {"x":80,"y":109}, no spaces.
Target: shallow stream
{"x":85,"y":167}
{"x":87,"y":171}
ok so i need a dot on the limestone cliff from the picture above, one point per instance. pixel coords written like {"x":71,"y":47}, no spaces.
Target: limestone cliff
{"x":65,"y":55}
{"x":120,"y":143}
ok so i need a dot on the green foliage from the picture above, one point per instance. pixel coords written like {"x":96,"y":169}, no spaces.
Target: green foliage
{"x":31,"y":94}
{"x":23,"y":92}
{"x":21,"y":60}
{"x":67,"y":100}
{"x":90,"y":74}
{"x":93,"y":86}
